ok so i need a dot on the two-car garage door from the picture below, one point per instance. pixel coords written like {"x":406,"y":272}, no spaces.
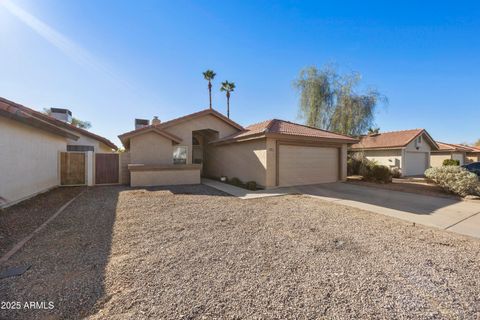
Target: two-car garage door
{"x":299,"y":165}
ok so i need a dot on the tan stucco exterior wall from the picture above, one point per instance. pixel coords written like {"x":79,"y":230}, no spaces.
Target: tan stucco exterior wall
{"x":436,"y":159}
{"x":472,"y":157}
{"x":164,"y":177}
{"x":151,"y":148}
{"x":29,"y":160}
{"x":389,"y":158}
{"x":184,"y":130}
{"x":87,"y":141}
{"x":244,"y":160}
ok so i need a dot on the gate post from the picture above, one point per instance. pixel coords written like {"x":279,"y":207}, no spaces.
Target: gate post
{"x":90,"y":168}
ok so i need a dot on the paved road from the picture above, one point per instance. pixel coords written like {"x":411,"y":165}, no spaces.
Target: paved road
{"x":445,"y":213}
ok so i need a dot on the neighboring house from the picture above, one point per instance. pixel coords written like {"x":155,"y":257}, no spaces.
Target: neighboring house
{"x":473,"y":154}
{"x":30,"y":144}
{"x":408,"y":150}
{"x":448,"y":151}
{"x":271,"y":153}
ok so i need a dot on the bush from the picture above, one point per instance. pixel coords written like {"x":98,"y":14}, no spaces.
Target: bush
{"x":251,"y":185}
{"x":451,"y":162}
{"x":396,"y":173}
{"x":380,"y":174}
{"x":236,"y":182}
{"x":455,"y":179}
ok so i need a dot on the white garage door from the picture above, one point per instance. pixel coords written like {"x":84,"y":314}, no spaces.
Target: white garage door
{"x":416,"y":163}
{"x":300,"y":165}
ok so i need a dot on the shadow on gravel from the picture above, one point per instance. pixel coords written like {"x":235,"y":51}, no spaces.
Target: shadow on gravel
{"x":68,"y":261}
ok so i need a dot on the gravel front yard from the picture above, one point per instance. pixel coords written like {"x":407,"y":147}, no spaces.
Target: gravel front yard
{"x":193,"y":252}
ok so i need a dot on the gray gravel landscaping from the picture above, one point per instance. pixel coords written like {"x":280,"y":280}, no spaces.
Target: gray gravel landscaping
{"x":193,"y":252}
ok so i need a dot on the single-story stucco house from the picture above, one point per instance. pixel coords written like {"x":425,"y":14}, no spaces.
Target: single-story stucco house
{"x":448,"y":151}
{"x":31,"y":143}
{"x":407,"y":150}
{"x":473,"y":154}
{"x":206,"y":143}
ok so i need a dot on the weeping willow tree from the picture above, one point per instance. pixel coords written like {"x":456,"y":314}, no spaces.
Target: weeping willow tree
{"x":330,"y":101}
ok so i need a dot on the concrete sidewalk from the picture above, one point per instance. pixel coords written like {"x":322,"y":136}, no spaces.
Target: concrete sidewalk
{"x":244,"y":193}
{"x":449,"y":214}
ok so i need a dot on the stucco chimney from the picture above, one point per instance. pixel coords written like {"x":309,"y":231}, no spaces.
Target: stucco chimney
{"x":61,"y":114}
{"x":141,"y":123}
{"x":156,"y":121}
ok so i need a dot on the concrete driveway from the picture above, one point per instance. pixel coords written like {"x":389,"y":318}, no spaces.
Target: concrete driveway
{"x":445,"y":213}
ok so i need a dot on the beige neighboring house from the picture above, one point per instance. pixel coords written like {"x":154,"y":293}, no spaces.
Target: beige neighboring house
{"x":30,"y":144}
{"x":473,"y":154}
{"x":448,"y":151}
{"x":271,"y":153}
{"x":407,"y":150}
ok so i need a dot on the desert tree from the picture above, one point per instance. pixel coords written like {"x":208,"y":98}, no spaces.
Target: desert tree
{"x":331,"y":101}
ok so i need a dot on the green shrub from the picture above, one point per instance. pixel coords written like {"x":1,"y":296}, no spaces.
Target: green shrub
{"x":251,"y":185}
{"x":379,"y":174}
{"x":396,"y":173}
{"x":236,"y":182}
{"x":455,"y":179}
{"x":451,"y":162}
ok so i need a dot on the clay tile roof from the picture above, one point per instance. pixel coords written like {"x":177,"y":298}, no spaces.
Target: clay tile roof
{"x":55,"y":122}
{"x":390,"y":140}
{"x":453,"y":147}
{"x":276,"y":126}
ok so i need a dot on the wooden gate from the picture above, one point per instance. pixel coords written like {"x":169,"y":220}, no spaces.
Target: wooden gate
{"x":106,"y":168}
{"x":72,"y":168}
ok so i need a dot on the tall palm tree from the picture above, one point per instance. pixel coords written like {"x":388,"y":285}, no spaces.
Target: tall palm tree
{"x":228,"y":87}
{"x":209,"y":75}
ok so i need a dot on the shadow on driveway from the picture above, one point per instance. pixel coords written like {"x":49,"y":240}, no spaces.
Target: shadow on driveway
{"x":68,"y":260}
{"x":396,"y":200}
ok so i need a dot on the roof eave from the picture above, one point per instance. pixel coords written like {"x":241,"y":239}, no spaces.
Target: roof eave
{"x":39,"y":124}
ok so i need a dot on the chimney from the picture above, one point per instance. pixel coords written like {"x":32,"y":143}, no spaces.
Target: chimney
{"x":141,"y":123}
{"x":156,"y":121}
{"x":61,"y":114}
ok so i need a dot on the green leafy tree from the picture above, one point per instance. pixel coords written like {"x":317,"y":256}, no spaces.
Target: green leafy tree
{"x":228,"y":87}
{"x":209,"y":75}
{"x":477,"y":144}
{"x":81,"y":123}
{"x":330,"y":101}
{"x":373,"y":130}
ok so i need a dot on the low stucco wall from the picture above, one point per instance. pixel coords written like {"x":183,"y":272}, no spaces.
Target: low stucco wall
{"x":244,"y":160}
{"x":29,"y":161}
{"x":148,"y":176}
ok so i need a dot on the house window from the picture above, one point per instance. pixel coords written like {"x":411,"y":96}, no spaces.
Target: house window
{"x":419,"y":140}
{"x":180,"y":154}
{"x":80,"y":148}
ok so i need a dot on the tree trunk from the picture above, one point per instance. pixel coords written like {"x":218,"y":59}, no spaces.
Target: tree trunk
{"x":210,"y":93}
{"x":228,"y":105}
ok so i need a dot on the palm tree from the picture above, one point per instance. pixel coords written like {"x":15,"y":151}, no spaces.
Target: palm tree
{"x":209,"y":75}
{"x":228,"y":87}
{"x":373,"y":130}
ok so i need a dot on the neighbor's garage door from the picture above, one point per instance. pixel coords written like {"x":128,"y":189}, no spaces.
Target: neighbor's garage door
{"x":416,"y":163}
{"x":300,"y":165}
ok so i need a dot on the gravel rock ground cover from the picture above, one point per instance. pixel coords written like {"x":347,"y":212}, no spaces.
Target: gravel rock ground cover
{"x":192,"y":252}
{"x":18,"y":221}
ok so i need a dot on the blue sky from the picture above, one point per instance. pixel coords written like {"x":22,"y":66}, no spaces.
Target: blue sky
{"x":113,"y":61}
